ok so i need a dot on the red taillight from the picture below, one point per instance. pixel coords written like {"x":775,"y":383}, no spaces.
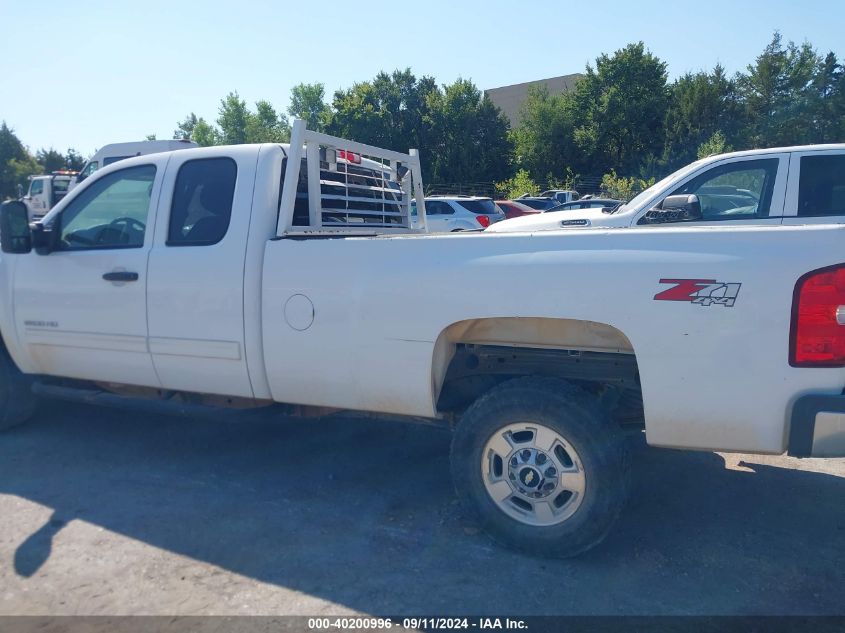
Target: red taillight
{"x":483,"y":220}
{"x":352,"y":157}
{"x":817,"y":338}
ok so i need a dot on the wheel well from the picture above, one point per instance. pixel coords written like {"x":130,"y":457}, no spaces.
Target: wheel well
{"x":471,"y":357}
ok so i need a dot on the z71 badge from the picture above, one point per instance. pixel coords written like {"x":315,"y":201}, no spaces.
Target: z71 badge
{"x":703,"y":292}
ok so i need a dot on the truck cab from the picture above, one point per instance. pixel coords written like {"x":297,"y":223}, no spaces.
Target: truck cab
{"x":46,"y":191}
{"x":561,"y":195}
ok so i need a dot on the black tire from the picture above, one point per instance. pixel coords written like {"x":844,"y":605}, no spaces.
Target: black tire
{"x":576,"y":416}
{"x":17,"y":402}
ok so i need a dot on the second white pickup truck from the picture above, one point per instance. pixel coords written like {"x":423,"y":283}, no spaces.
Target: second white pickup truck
{"x":778,"y":186}
{"x":252,"y":275}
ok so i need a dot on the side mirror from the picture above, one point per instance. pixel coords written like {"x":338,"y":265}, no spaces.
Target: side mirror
{"x":15,"y":235}
{"x":44,"y":237}
{"x":680,"y":208}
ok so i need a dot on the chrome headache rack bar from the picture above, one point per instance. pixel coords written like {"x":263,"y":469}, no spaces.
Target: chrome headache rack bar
{"x":349,"y":187}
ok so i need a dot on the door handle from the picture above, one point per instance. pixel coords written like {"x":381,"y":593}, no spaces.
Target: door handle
{"x":120,"y":275}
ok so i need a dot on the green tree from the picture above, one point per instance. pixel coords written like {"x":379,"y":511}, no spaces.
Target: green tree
{"x":196,"y":129}
{"x":544,"y":141}
{"x":74,"y":160}
{"x":779,"y":92}
{"x":514,"y":187}
{"x":701,"y":104}
{"x":266,"y":126}
{"x":470,"y":136}
{"x":50,"y":160}
{"x":185,"y":129}
{"x":620,"y":107}
{"x":829,"y":111}
{"x":621,"y":188}
{"x":307,"y":103}
{"x":716,"y":144}
{"x":392,"y":111}
{"x":20,"y":170}
{"x":11,"y":149}
{"x":232,"y":120}
{"x":204,"y":134}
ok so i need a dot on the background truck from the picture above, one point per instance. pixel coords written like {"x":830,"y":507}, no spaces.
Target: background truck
{"x":779,"y":186}
{"x":295,"y":276}
{"x":45,"y":191}
{"x":561,"y":195}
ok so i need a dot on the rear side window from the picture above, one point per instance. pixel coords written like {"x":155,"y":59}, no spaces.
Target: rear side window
{"x":202,"y":202}
{"x":478,"y":206}
{"x":821,"y":188}
{"x":433,"y":207}
{"x":113,"y":159}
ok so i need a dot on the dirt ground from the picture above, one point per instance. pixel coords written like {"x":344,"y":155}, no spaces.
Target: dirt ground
{"x":108,"y":512}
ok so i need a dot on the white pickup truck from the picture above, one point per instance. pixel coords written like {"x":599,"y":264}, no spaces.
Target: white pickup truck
{"x":247,"y":275}
{"x":779,"y":186}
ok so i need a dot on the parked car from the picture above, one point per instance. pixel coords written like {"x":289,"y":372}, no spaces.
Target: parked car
{"x":781,"y":185}
{"x":538,"y":203}
{"x":561,"y":195}
{"x":587,"y":203}
{"x":446,"y":214}
{"x":514,"y":209}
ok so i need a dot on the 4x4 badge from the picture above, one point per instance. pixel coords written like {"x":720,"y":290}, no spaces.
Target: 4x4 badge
{"x":702,"y":292}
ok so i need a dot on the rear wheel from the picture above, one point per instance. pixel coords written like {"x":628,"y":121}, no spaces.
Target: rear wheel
{"x":17,"y":402}
{"x":542,"y":466}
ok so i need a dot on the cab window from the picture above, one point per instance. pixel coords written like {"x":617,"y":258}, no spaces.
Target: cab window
{"x":36,"y":187}
{"x":202,"y":202}
{"x":111,"y":213}
{"x":736,"y":191}
{"x":821,"y":187}
{"x":113,"y":159}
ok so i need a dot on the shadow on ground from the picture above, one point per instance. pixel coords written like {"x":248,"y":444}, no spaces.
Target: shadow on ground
{"x":362,"y":513}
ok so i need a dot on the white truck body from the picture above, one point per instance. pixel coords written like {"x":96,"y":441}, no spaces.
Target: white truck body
{"x":289,"y":304}
{"x":781,"y":187}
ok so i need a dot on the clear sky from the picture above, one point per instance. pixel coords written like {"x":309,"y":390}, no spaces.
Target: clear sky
{"x":82,"y":74}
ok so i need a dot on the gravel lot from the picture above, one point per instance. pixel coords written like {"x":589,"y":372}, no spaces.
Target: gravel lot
{"x":109,"y":512}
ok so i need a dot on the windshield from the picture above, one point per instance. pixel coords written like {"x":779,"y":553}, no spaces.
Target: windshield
{"x":645,"y":194}
{"x":479,"y":206}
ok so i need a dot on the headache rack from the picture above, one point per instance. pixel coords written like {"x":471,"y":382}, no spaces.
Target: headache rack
{"x":332,"y":185}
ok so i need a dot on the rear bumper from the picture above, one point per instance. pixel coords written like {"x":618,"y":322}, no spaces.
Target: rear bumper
{"x":817,"y":428}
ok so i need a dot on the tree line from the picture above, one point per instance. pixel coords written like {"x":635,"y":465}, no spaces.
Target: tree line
{"x":17,"y":163}
{"x":622,"y":117}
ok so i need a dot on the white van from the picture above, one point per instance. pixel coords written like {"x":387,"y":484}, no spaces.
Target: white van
{"x":114,"y":152}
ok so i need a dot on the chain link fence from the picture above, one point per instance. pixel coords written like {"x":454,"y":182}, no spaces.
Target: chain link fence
{"x":584,"y":185}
